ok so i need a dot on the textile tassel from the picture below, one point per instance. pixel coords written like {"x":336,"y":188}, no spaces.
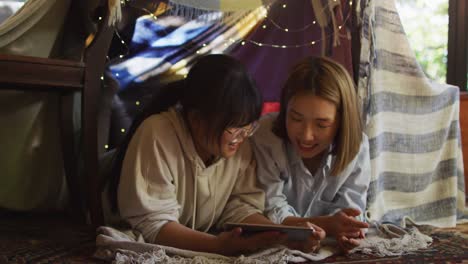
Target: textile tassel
{"x":321,"y":18}
{"x":222,"y":5}
{"x":358,"y":13}
{"x":336,"y":37}
{"x":213,"y":10}
{"x":115,"y":12}
{"x":323,"y":15}
{"x":191,"y":13}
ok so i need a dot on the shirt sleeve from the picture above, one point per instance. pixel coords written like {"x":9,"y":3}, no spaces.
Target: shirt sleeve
{"x":268,"y":153}
{"x":246,"y":198}
{"x":353,"y":192}
{"x":146,"y":193}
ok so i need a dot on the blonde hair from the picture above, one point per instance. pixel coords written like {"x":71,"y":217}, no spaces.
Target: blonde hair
{"x":326,"y":78}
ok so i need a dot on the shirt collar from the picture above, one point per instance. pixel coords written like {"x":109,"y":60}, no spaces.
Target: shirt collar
{"x":295,"y":159}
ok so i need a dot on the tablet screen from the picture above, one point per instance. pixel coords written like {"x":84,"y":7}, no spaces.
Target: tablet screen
{"x":293,"y":232}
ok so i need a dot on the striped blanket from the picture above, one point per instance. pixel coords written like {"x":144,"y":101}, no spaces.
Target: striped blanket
{"x":413,"y":128}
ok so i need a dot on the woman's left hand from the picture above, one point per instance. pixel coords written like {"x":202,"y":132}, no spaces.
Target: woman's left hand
{"x":348,"y":241}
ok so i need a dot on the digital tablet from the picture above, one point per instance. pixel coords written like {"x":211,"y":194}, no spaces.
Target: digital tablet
{"x":297,"y":233}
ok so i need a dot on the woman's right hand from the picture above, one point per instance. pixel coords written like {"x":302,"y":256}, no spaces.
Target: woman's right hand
{"x":233,"y":243}
{"x":312,"y":243}
{"x":344,"y":222}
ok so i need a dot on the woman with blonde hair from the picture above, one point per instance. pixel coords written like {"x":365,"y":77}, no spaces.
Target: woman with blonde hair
{"x":313,"y":157}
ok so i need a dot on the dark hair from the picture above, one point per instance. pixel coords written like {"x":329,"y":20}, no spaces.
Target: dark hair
{"x":218,"y":89}
{"x":328,"y":79}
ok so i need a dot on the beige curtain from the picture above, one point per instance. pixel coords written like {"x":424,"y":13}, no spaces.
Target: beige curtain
{"x":31,"y":31}
{"x":31,"y":166}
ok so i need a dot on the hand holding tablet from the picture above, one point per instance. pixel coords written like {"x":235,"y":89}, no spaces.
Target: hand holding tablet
{"x":295,"y":233}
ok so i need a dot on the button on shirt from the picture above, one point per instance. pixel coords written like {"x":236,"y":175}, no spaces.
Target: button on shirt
{"x":292,"y":190}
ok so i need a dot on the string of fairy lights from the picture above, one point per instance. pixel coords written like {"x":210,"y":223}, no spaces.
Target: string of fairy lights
{"x":232,"y":41}
{"x":245,"y":40}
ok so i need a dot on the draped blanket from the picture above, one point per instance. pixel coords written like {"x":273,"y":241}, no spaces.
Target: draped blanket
{"x":413,"y":128}
{"x":167,"y":46}
{"x":130,"y":247}
{"x":382,"y":240}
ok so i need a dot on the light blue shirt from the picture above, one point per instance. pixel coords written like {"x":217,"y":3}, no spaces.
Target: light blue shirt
{"x":291,"y":190}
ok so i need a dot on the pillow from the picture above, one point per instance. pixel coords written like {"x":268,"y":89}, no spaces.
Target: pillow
{"x":269,"y":107}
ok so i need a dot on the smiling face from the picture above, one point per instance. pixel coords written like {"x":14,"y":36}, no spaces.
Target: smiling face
{"x":233,"y":137}
{"x":319,"y":107}
{"x":209,"y":146}
{"x":311,"y":124}
{"x":228,"y":148}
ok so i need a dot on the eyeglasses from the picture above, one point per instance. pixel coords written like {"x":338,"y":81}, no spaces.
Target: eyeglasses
{"x":240,"y":133}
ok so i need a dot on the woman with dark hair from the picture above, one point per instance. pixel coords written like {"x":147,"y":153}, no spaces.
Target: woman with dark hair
{"x":313,"y":157}
{"x":185,"y":169}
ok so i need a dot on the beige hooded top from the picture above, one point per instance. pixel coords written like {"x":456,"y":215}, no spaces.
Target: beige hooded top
{"x":163,"y":179}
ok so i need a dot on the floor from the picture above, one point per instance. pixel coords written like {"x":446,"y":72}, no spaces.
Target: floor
{"x":56,"y":238}
{"x":45,"y":238}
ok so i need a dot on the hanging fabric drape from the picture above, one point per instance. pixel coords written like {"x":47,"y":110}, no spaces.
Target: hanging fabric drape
{"x":32,"y":12}
{"x":413,"y":128}
{"x":289,"y":33}
{"x":30,"y":161}
{"x":169,"y":44}
{"x":27,"y":17}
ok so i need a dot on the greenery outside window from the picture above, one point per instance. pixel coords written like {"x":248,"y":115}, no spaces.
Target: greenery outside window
{"x":437,"y":32}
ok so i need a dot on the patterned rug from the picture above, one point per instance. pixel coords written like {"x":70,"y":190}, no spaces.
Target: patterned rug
{"x":33,"y":238}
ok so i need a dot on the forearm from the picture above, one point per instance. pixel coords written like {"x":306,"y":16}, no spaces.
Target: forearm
{"x":176,"y":235}
{"x":257,"y":219}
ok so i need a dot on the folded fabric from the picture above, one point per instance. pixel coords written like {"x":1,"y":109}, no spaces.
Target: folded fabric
{"x":389,"y":239}
{"x":130,"y":247}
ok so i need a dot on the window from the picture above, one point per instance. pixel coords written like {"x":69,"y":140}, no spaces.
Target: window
{"x":437,"y":32}
{"x":426,"y":26}
{"x":457,"y":65}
